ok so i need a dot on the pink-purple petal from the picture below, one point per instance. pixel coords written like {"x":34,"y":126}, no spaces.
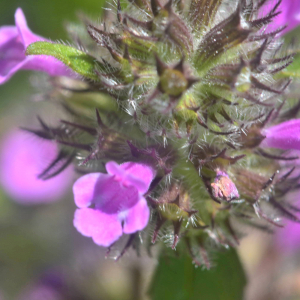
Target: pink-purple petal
{"x":9,"y":68}
{"x":13,"y":43}
{"x":283,"y":136}
{"x":103,"y":228}
{"x":141,"y":175}
{"x":287,"y":239}
{"x":25,"y":33}
{"x":137,"y":217}
{"x":7,"y":33}
{"x":289,"y":15}
{"x":112,"y":197}
{"x":125,"y":178}
{"x":47,"y":64}
{"x":84,"y":187}
{"x":12,"y":56}
{"x":132,"y":174}
{"x":113,"y":168}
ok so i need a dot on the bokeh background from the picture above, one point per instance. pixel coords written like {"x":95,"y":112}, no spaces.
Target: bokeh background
{"x":41,"y":252}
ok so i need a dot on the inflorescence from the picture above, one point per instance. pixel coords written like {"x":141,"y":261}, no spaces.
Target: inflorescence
{"x":172,"y":119}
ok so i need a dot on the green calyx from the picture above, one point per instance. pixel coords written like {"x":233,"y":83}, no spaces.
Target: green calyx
{"x":173,"y":82}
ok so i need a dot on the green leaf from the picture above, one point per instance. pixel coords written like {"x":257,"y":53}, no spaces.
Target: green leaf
{"x":75,"y":59}
{"x":177,"y":278}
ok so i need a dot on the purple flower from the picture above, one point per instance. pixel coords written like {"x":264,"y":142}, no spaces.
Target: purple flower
{"x":283,"y":136}
{"x":24,"y":156}
{"x":287,"y":239}
{"x":290,"y":15}
{"x":116,"y":200}
{"x":13,"y":43}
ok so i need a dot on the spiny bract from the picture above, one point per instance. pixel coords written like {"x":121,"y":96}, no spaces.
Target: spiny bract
{"x":187,"y":86}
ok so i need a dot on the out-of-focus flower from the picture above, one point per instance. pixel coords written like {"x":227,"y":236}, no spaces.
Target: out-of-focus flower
{"x":13,"y":43}
{"x":23,"y":158}
{"x":49,"y":287}
{"x":289,"y":16}
{"x":116,"y":200}
{"x":285,"y":135}
{"x":41,"y":292}
{"x":287,"y":239}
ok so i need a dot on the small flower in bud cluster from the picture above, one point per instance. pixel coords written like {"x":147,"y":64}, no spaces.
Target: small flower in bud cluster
{"x":13,"y":42}
{"x":223,"y":187}
{"x":23,"y":158}
{"x":112,"y":204}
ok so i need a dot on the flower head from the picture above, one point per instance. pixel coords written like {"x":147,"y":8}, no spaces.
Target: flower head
{"x":13,"y":43}
{"x":116,"y":198}
{"x":23,"y":157}
{"x":189,"y":88}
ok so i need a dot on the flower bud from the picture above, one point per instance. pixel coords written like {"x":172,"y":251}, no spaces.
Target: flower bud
{"x":223,"y":188}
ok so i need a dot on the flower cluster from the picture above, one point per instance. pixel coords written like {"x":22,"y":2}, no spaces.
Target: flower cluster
{"x":189,"y":109}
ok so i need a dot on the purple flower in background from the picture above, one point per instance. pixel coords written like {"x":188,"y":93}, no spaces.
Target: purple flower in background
{"x":23,"y":157}
{"x":13,"y":43}
{"x":287,"y":239}
{"x":285,"y":135}
{"x":50,"y":286}
{"x":290,"y":15}
{"x":116,"y":200}
{"x":40,"y":292}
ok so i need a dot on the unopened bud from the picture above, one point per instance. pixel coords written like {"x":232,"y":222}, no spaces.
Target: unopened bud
{"x":223,"y":187}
